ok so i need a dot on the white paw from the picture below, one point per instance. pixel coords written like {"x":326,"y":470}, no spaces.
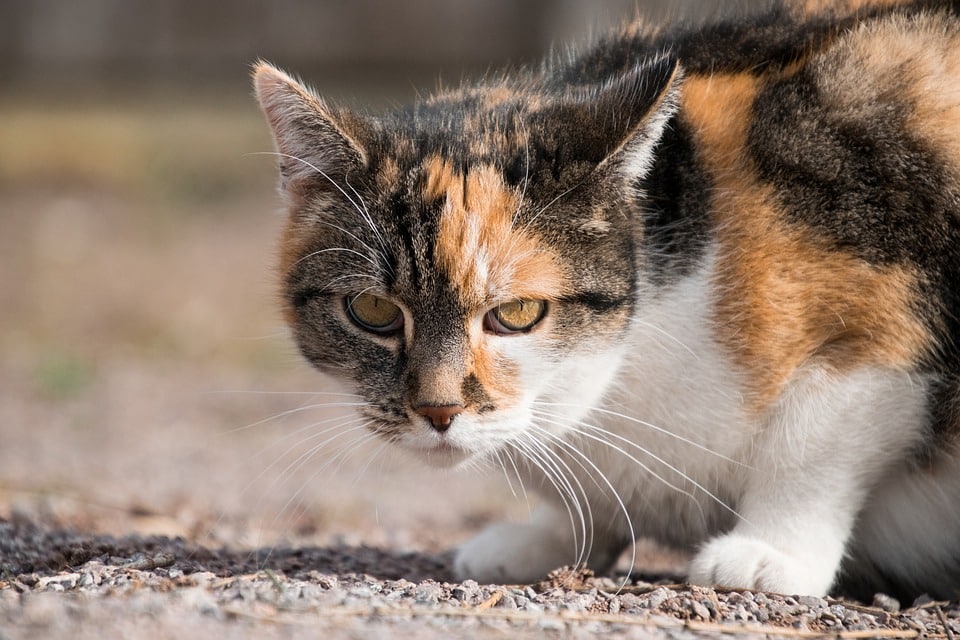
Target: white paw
{"x":510,"y":553}
{"x":743,"y":562}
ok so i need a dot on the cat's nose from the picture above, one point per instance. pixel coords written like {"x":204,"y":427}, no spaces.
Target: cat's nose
{"x":440,"y":416}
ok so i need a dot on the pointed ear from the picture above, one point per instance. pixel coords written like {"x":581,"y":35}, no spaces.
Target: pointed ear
{"x":653,"y":90}
{"x":620,"y":122}
{"x":317,"y":145}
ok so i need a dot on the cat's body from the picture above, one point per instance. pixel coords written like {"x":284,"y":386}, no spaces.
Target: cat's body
{"x":738,"y":251}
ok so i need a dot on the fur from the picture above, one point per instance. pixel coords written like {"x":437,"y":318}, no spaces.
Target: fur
{"x":746,"y":238}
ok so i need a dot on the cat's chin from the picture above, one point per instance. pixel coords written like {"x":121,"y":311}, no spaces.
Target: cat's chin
{"x":441,"y":456}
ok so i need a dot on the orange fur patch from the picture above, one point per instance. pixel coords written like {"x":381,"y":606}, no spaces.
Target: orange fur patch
{"x":486,"y":257}
{"x":783,"y":300}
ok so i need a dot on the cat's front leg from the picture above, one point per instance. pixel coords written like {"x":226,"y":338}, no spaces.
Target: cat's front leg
{"x":515,"y":553}
{"x":814,"y":466}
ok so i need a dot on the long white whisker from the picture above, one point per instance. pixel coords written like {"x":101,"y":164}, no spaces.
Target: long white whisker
{"x":290,"y":412}
{"x":365,"y":214}
{"x":283,"y":393}
{"x":585,"y":431}
{"x":360,"y":424}
{"x":359,"y":205}
{"x":341,"y":457}
{"x":344,"y":249}
{"x":310,"y":453}
{"x":669,"y":336}
{"x":563,"y":490}
{"x":312,"y":166}
{"x":649,"y":425}
{"x":606,"y":481}
{"x":366,"y":246}
{"x":584,"y":512}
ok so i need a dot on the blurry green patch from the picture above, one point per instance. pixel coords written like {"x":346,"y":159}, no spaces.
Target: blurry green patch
{"x":63,"y":376}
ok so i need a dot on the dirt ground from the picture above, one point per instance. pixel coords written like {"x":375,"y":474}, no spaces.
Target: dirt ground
{"x":164,"y":465}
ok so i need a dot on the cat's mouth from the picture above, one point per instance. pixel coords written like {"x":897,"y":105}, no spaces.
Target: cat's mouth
{"x":438,"y":452}
{"x":444,"y":454}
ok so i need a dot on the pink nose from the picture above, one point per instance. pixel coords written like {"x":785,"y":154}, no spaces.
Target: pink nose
{"x":440,"y":417}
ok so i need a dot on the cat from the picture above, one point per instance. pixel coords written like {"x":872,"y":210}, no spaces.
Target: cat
{"x":699,"y":283}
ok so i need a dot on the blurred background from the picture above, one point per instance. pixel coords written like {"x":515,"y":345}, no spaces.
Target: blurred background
{"x":146,"y":382}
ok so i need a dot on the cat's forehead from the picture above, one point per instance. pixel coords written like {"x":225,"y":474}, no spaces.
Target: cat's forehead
{"x":466,"y":126}
{"x":485,"y":249}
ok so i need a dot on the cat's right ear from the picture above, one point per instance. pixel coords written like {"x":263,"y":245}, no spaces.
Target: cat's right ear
{"x":317,"y":145}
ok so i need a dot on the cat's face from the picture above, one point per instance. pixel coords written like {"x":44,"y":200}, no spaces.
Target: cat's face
{"x":470,"y":264}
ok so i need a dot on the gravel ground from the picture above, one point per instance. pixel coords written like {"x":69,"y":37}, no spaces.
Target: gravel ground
{"x":55,"y":583}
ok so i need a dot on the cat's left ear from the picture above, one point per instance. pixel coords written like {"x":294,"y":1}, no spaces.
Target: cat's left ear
{"x":618,"y":124}
{"x":648,"y":96}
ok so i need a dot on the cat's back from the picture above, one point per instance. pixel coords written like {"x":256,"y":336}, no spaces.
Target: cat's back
{"x":830,"y":151}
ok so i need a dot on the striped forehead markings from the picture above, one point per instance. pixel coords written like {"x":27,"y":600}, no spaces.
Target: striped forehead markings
{"x":479,"y":248}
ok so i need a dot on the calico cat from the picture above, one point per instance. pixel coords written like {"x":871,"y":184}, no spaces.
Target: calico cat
{"x":695,"y":283}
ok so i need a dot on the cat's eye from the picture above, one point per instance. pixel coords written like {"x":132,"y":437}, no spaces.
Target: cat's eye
{"x":373,"y":313}
{"x":516,"y":316}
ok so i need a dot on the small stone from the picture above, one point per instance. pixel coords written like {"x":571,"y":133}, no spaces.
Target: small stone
{"x":29,"y":579}
{"x":829,"y":618}
{"x":813,"y":602}
{"x":699,"y":610}
{"x":428,"y":593}
{"x":60,"y":582}
{"x":851,"y":617}
{"x":887,"y":603}
{"x":658,"y":597}
{"x":507,"y":601}
{"x":461,"y":593}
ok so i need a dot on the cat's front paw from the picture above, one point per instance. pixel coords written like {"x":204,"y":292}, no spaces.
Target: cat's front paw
{"x":510,"y":553}
{"x":743,"y":562}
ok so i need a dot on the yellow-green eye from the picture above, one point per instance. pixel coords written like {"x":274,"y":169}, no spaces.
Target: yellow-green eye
{"x":517,"y":316}
{"x":373,"y":313}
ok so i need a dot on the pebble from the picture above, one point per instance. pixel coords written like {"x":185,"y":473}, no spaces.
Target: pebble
{"x":812,"y":602}
{"x":885,"y":602}
{"x":699,"y":610}
{"x":658,"y":597}
{"x":428,"y":593}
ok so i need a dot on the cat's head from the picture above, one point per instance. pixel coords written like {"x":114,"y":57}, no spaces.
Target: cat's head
{"x":469,"y":260}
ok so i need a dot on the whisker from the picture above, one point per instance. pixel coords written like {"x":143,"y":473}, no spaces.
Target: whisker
{"x":613,"y":491}
{"x":290,"y":412}
{"x":375,"y":252}
{"x":583,"y":431}
{"x":365,"y":214}
{"x":344,"y":249}
{"x":294,"y":465}
{"x":643,"y":423}
{"x":668,"y":335}
{"x":547,"y":206}
{"x":312,"y":166}
{"x":360,"y":208}
{"x":284,"y":392}
{"x":584,"y":514}
{"x":310,"y":453}
{"x":534,"y":459}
